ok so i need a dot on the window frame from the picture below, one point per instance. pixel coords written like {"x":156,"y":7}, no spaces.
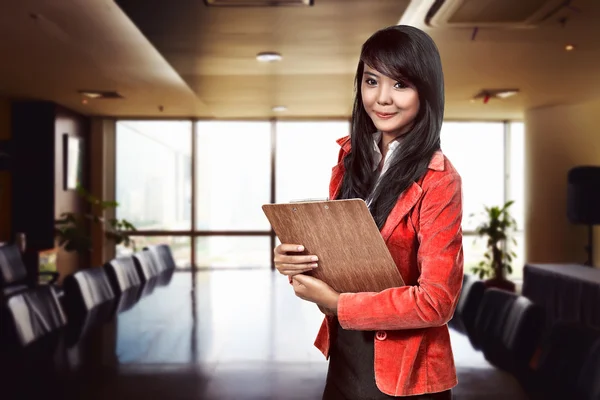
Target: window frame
{"x":193,"y":233}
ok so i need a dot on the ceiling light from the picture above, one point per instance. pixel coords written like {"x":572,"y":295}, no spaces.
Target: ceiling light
{"x":507,"y":93}
{"x":91,"y":95}
{"x":268,"y":56}
{"x":569,"y":47}
{"x":487,"y":94}
{"x":100,"y":94}
{"x":279,"y":108}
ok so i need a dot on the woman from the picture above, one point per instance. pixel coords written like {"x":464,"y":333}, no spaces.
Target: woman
{"x":394,"y":343}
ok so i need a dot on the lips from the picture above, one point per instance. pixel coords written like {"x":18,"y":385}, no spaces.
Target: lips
{"x":384,"y":115}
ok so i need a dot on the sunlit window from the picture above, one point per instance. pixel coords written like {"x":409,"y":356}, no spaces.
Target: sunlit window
{"x":233,"y":175}
{"x":233,"y":180}
{"x":306,"y":153}
{"x":476,"y":149}
{"x":153,"y":182}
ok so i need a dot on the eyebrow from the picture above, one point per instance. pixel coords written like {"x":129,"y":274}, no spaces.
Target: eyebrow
{"x":371,"y":74}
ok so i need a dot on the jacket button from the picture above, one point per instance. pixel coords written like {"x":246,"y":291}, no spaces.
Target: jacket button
{"x":381,"y":335}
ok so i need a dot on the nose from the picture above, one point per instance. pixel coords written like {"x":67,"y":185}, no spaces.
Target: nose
{"x":384,"y":97}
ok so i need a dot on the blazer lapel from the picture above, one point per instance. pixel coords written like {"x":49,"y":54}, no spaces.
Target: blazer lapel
{"x":405,"y":203}
{"x":337,"y":173}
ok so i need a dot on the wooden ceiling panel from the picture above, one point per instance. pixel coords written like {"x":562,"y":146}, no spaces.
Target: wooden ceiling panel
{"x":214,"y":50}
{"x":249,"y":96}
{"x":199,"y":61}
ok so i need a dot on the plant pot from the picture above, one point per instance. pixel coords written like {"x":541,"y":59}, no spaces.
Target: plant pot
{"x":499,"y":283}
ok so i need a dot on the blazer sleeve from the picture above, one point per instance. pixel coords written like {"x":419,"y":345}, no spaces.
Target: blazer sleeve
{"x":440,"y":258}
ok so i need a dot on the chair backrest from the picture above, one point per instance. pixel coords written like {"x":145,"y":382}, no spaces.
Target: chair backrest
{"x":492,"y":314}
{"x":122,"y":274}
{"x":524,"y":327}
{"x":565,"y":361}
{"x":34,"y":314}
{"x":89,"y":287}
{"x":154,"y":254}
{"x":511,"y":326}
{"x":12,"y":268}
{"x":146,"y":265}
{"x":588,"y":384}
{"x":89,"y":301}
{"x":125,"y":281}
{"x":167,"y":256}
{"x":467,"y":307}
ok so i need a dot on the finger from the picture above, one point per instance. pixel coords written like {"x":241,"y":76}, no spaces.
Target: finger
{"x":285,"y":247}
{"x":294,"y":272}
{"x":282,"y":259}
{"x":284,"y":265}
{"x":294,"y":267}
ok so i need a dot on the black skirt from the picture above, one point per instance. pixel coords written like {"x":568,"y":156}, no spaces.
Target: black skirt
{"x":351,"y":373}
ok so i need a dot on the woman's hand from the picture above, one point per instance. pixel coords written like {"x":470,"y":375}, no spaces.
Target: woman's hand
{"x":315,"y":290}
{"x":290,"y":264}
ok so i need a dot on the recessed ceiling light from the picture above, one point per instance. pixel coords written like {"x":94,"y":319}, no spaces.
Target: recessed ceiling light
{"x":487,"y":94}
{"x":279,"y":108}
{"x":100,"y":94}
{"x":268,"y":56}
{"x":569,"y":47}
{"x":91,"y":95}
{"x":505,"y":94}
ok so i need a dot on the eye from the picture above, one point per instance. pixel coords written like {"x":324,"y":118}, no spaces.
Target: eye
{"x":401,"y":85}
{"x":370,"y":81}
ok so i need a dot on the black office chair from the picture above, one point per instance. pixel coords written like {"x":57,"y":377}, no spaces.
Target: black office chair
{"x":125,"y":281}
{"x":89,"y":301}
{"x":13,"y":273}
{"x":32,"y":343}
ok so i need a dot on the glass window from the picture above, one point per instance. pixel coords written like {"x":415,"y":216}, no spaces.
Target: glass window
{"x":233,"y":251}
{"x":517,"y":172}
{"x":180,"y":247}
{"x":476,"y":149}
{"x":517,"y":193}
{"x":518,"y":262}
{"x":474,"y":247}
{"x":306,"y":153}
{"x":233,"y":175}
{"x":153,"y":179}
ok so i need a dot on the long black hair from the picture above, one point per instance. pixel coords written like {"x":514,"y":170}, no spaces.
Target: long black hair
{"x":408,"y":54}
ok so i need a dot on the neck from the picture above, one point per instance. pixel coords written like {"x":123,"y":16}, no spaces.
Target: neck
{"x":389,"y":137}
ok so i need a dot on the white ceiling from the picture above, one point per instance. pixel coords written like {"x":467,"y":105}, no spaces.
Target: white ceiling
{"x":199,"y":62}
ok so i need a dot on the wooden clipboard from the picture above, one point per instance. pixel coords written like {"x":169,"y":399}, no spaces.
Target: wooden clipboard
{"x":353,"y":256}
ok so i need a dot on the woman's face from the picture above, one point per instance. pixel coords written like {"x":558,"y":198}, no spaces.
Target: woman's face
{"x":392,"y":105}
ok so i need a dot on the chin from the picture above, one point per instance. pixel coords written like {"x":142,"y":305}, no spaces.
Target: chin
{"x":389,"y":126}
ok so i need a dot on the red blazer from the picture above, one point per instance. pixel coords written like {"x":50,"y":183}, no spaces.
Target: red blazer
{"x":423,"y":232}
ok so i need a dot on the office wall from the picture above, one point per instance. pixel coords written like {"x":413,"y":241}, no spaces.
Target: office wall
{"x":5,"y":178}
{"x":39,"y":196}
{"x":556,"y":139}
{"x":102,"y":182}
{"x":72,"y":124}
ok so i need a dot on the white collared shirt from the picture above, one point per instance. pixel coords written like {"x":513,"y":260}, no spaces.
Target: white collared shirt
{"x":392,"y":146}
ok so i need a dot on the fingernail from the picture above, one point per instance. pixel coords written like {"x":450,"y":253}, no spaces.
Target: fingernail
{"x":300,"y":248}
{"x":315,"y":265}
{"x":314,"y":258}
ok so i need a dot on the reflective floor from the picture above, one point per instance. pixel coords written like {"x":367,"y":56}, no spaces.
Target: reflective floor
{"x":236,"y":335}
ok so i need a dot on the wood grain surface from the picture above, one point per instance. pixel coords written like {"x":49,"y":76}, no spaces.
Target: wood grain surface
{"x":353,"y":256}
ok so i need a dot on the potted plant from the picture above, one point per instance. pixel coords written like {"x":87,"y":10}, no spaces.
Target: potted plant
{"x":71,"y":229}
{"x":497,"y":228}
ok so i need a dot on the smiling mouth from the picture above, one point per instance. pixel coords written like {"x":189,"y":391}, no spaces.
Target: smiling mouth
{"x":384,"y":115}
